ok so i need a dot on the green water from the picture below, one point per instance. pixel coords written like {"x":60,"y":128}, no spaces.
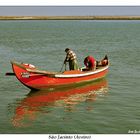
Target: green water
{"x":110,"y":109}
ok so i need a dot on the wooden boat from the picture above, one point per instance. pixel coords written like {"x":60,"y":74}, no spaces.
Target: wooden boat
{"x":33,"y":78}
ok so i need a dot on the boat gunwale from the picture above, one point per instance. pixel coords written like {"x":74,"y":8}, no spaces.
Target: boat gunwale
{"x":61,"y":75}
{"x":82,"y":74}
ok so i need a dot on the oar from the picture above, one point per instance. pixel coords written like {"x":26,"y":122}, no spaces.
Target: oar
{"x":10,"y":74}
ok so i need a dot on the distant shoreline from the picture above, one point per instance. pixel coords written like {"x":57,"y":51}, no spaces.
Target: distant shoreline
{"x":69,"y":17}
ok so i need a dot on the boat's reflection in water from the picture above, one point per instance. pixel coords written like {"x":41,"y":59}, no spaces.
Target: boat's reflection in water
{"x":67,"y":99}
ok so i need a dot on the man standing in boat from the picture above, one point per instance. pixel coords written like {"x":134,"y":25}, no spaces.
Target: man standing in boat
{"x":71,"y":58}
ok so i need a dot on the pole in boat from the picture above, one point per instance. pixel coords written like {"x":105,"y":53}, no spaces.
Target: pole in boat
{"x":65,"y":66}
{"x":62,"y":67}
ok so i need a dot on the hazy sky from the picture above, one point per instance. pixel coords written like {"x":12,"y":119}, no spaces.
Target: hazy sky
{"x":68,"y":10}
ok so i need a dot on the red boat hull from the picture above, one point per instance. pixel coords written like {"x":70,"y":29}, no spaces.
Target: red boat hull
{"x":40,"y":81}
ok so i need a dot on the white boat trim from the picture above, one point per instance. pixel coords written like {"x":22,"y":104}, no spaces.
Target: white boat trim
{"x":81,"y":74}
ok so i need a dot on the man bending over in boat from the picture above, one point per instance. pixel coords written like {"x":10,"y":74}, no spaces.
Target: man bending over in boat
{"x":90,"y":63}
{"x":71,"y":58}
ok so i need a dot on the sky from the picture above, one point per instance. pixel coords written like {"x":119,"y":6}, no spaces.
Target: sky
{"x":69,"y":10}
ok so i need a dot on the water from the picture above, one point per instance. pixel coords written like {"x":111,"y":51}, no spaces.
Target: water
{"x":108,"y":106}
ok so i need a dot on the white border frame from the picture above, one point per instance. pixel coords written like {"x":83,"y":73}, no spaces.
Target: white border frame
{"x":69,"y":2}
